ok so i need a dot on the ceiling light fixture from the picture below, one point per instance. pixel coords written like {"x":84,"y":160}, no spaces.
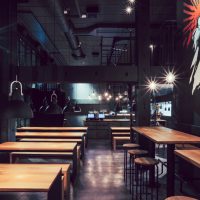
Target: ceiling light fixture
{"x":83,"y":16}
{"x":128,"y":10}
{"x":131,"y":1}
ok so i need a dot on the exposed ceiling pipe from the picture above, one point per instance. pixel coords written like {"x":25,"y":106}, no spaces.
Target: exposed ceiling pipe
{"x":67,"y":27}
{"x":78,"y":8}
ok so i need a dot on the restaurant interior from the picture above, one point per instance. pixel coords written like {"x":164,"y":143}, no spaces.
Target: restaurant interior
{"x":100,"y":100}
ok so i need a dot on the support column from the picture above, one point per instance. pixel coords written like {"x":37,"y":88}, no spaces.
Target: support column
{"x":143,"y":61}
{"x":8,"y":57}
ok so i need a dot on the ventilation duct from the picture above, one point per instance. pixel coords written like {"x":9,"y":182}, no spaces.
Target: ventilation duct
{"x":67,"y":27}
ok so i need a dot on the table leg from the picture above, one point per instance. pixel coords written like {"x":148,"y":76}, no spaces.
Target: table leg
{"x":83,"y":147}
{"x":74,"y":173}
{"x":151,"y":150}
{"x":55,"y":191}
{"x":170,"y":169}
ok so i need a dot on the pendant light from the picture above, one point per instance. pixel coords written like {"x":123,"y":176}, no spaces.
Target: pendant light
{"x":77,"y":108}
{"x":53,"y":108}
{"x":16,"y":107}
{"x":68,"y":106}
{"x":44,"y":105}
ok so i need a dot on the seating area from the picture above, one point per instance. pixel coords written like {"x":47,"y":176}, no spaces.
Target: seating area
{"x":100,"y":100}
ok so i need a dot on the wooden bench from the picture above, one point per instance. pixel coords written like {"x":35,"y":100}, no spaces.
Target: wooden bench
{"x":121,"y":139}
{"x":66,"y":177}
{"x":45,"y":155}
{"x":118,"y":134}
{"x":79,"y":141}
{"x":185,"y":147}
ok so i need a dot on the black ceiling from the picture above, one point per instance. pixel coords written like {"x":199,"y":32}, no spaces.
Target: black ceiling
{"x":99,"y":39}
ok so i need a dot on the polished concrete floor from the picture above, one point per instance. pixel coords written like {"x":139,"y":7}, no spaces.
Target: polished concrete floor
{"x":101,"y":177}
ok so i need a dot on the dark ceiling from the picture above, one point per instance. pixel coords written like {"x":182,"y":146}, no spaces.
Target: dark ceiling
{"x":102,"y":38}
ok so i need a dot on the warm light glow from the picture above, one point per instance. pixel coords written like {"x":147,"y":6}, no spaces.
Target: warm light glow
{"x":108,"y":99}
{"x":152,"y":86}
{"x":120,"y":96}
{"x":117,"y":99}
{"x":128,"y":10}
{"x":131,"y":1}
{"x":83,"y":16}
{"x":110,"y":96}
{"x":106,"y":94}
{"x":100,"y":97}
{"x":170,"y":78}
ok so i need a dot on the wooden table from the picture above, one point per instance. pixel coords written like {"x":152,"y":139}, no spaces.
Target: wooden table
{"x":31,"y":178}
{"x":56,"y":129}
{"x":42,"y":147}
{"x":120,"y":128}
{"x":191,"y":156}
{"x":37,"y":128}
{"x":54,"y":135}
{"x":162,"y":135}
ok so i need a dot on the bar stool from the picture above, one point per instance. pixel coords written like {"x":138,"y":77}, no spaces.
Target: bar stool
{"x":143,"y":166}
{"x":135,"y":153}
{"x":180,"y":198}
{"x":127,"y":147}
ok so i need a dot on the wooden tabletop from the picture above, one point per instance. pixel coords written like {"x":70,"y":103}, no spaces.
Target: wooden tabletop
{"x":192,"y":156}
{"x":50,"y":134}
{"x":37,"y":128}
{"x":27,"y":178}
{"x":120,"y":128}
{"x":38,"y":146}
{"x":49,"y":140}
{"x":163,"y":135}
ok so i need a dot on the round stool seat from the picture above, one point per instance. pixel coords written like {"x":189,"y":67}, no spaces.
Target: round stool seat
{"x":137,"y":152}
{"x":146,"y":161}
{"x":180,"y":198}
{"x":130,"y":145}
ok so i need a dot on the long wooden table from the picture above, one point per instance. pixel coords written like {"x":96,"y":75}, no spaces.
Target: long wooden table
{"x":42,"y":147}
{"x":162,"y":135}
{"x":54,"y":135}
{"x":37,"y":128}
{"x":55,"y":129}
{"x":31,"y":178}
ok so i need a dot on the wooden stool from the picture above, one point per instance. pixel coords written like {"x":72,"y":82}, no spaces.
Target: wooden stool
{"x":134,"y":153}
{"x":180,"y":198}
{"x":143,"y":166}
{"x":127,"y":147}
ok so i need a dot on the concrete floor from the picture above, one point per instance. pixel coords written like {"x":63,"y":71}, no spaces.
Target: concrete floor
{"x":100,"y":177}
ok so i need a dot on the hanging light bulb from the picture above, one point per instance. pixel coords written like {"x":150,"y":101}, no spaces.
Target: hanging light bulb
{"x":106,"y":94}
{"x":128,"y":10}
{"x":170,"y":77}
{"x":117,"y":99}
{"x":131,"y":1}
{"x":100,"y":97}
{"x":16,"y":107}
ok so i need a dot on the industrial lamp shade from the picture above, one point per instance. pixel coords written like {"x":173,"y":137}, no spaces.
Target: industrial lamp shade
{"x":16,"y":107}
{"x":53,"y":108}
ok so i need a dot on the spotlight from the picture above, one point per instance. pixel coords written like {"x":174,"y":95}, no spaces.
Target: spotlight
{"x":170,"y":77}
{"x":153,"y":86}
{"x":131,"y":1}
{"x":128,"y":10}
